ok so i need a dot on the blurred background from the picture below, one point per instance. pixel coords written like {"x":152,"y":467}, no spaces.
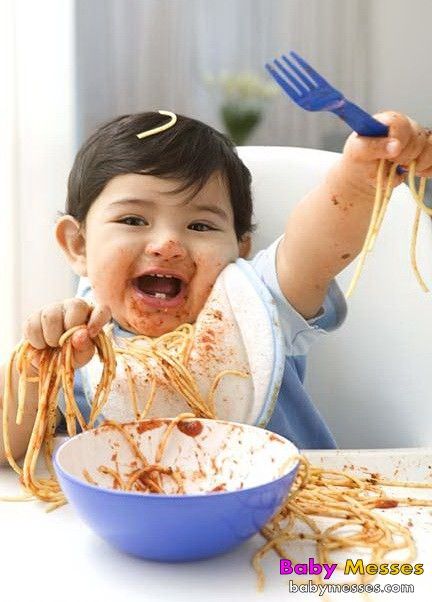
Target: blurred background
{"x":69,"y":65}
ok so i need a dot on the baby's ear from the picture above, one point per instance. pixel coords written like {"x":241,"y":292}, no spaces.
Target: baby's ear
{"x":245,"y":245}
{"x":70,"y":236}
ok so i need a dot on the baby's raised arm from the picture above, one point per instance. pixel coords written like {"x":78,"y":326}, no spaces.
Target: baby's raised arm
{"x":327,"y":229}
{"x":44,"y":329}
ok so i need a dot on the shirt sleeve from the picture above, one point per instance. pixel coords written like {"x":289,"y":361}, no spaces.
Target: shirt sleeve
{"x":84,"y":290}
{"x":299,"y":333}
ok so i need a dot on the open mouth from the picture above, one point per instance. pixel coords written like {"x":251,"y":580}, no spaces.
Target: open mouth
{"x":164,"y":287}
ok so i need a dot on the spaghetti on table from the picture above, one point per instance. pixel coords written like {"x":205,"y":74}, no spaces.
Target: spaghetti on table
{"x":317,"y":492}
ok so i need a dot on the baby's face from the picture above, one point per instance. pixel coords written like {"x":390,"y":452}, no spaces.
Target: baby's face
{"x":152,"y":257}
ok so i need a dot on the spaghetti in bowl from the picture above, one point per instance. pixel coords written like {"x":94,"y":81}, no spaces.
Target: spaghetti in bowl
{"x":176,"y":489}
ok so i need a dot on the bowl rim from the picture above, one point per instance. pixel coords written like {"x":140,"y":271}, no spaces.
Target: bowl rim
{"x":177,"y":496}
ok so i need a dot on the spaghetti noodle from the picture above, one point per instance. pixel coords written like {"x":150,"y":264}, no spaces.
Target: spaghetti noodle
{"x":321,"y":493}
{"x":350,"y":501}
{"x":382,"y":198}
{"x":170,"y":353}
{"x":55,"y":371}
{"x":147,"y":476}
{"x":317,"y":492}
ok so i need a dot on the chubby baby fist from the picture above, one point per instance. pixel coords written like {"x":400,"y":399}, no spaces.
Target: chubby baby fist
{"x":406,"y":141}
{"x":45,"y":327}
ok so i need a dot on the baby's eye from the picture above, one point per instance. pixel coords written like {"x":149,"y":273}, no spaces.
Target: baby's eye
{"x":132,"y":220}
{"x":200,"y":227}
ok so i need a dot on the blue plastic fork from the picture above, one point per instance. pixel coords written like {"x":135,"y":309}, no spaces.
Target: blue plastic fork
{"x":312,"y":92}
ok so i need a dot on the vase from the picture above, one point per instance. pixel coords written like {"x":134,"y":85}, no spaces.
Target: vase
{"x":240,"y":121}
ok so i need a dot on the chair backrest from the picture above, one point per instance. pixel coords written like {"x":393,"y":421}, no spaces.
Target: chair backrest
{"x":372,"y":379}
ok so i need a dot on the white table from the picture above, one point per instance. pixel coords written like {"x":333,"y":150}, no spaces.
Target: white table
{"x":54,"y":556}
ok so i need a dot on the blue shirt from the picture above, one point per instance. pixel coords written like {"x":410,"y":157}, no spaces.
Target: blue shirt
{"x":295,"y":416}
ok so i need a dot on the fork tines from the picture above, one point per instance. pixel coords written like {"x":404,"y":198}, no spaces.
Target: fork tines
{"x":300,"y":81}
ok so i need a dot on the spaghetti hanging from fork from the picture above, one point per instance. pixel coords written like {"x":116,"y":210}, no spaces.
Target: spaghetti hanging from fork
{"x":308,"y":89}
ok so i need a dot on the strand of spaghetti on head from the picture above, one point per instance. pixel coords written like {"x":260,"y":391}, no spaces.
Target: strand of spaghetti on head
{"x":353,"y":503}
{"x":382,"y":198}
{"x":55,"y":370}
{"x":172,"y":121}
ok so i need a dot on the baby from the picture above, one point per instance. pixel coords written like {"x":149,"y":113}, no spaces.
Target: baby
{"x":151,"y":223}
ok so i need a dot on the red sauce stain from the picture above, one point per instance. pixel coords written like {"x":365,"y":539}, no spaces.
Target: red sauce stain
{"x":148,"y":426}
{"x":221,"y":487}
{"x":192,"y":428}
{"x":386,"y":504}
{"x":373,"y":480}
{"x":114,"y":457}
{"x":208,"y":337}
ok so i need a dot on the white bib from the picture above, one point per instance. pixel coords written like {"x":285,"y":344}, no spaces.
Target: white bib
{"x":237,"y":329}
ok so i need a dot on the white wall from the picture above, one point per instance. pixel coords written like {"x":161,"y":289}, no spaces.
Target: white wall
{"x":7,"y":182}
{"x":146,"y":54}
{"x":38,"y":98}
{"x":370,"y":378}
{"x":401,"y":45}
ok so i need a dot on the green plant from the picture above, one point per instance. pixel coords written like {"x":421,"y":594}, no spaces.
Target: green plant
{"x":243,"y":99}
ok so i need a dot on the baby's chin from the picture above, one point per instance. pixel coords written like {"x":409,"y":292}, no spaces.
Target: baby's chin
{"x":155,"y":324}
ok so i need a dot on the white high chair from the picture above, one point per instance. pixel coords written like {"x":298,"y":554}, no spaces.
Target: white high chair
{"x":371,"y":379}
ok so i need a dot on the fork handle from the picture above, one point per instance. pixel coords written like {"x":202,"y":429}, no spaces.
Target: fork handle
{"x":360,"y":121}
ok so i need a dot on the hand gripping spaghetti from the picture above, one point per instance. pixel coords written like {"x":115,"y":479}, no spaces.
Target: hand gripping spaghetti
{"x":55,"y":371}
{"x":170,"y":352}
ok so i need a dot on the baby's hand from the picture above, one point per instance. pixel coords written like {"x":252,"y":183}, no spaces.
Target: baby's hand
{"x":406,"y":142}
{"x":45,"y":327}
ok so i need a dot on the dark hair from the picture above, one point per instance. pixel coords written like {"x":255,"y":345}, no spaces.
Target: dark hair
{"x":189,"y":151}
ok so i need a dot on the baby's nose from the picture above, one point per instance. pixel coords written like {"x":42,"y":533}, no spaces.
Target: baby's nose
{"x":166,"y":248}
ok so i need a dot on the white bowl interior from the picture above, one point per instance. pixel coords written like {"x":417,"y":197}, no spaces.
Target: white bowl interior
{"x":215,"y":456}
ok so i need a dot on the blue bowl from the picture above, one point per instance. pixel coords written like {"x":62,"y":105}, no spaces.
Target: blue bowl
{"x":235,"y":479}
